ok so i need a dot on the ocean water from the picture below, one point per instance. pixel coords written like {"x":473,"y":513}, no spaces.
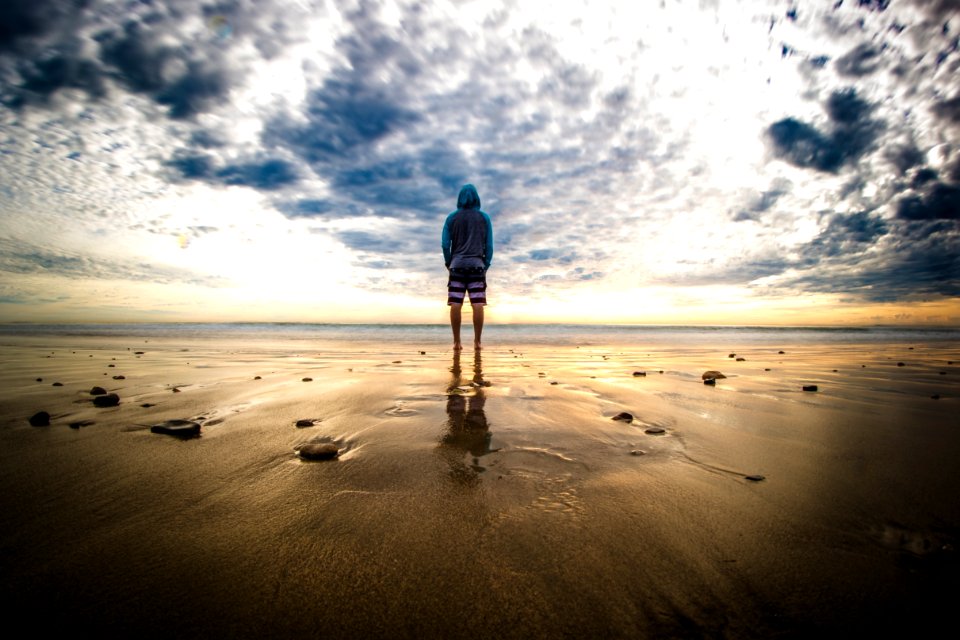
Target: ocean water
{"x":494,"y":334}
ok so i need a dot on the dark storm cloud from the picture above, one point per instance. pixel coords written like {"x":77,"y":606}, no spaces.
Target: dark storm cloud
{"x":904,"y":157}
{"x":24,"y":21}
{"x":852,"y":133}
{"x":267,"y":174}
{"x":921,"y":261}
{"x":151,"y":48}
{"x":846,"y":235}
{"x":395,"y":245}
{"x":188,"y":80}
{"x":938,"y":202}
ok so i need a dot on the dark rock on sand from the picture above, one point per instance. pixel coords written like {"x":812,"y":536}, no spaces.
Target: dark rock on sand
{"x":732,"y":355}
{"x":716,"y":375}
{"x":39,"y":379}
{"x":40,"y":419}
{"x":319,"y":451}
{"x":623,"y":416}
{"x":80,"y":423}
{"x":147,"y":405}
{"x":305,"y":423}
{"x":639,"y":374}
{"x":111,"y":365}
{"x":57,"y":384}
{"x":741,"y":359}
{"x":901,"y":364}
{"x":138,"y":353}
{"x":178,"y":428}
{"x":655,"y":431}
{"x":257,"y":378}
{"x":935,"y":396}
{"x":638,"y":452}
{"x":755,"y":478}
{"x":809,"y":387}
{"x":781,"y":352}
{"x":119,"y":377}
{"x":306,"y":380}
{"x":710,"y":382}
{"x":98,"y":391}
{"x":109,"y":400}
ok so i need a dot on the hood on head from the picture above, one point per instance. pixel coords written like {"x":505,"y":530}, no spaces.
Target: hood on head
{"x":469,"y":198}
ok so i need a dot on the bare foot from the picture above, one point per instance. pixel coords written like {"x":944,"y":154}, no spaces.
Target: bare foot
{"x":476,"y":346}
{"x":457,"y":346}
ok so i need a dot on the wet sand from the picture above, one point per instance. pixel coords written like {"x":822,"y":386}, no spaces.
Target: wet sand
{"x":479,"y":496}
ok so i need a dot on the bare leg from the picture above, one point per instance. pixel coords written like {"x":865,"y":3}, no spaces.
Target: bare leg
{"x":477,"y":325}
{"x":455,"y":310}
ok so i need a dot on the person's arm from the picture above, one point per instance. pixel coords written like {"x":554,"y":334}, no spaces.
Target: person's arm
{"x":488,"y":250}
{"x":445,"y":242}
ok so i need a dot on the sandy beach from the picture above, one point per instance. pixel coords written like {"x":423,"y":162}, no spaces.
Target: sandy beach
{"x":483,"y":495}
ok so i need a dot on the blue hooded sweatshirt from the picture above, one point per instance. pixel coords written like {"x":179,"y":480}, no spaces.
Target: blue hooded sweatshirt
{"x":467,"y":238}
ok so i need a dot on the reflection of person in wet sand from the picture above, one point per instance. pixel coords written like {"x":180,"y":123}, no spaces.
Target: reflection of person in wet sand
{"x":467,"y":427}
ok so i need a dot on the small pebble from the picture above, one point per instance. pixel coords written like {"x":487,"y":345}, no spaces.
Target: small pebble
{"x":307,"y":380}
{"x":741,"y":359}
{"x":755,"y":478}
{"x":109,"y":400}
{"x":319,"y":451}
{"x":623,"y":416}
{"x":40,"y":419}
{"x":638,"y":452}
{"x":57,"y":384}
{"x":178,"y":428}
{"x":655,"y":431}
{"x":711,"y":382}
{"x":98,"y":391}
{"x":935,"y":396}
{"x":119,"y":377}
{"x":257,"y":378}
{"x":639,"y":374}
{"x":39,"y":379}
{"x":80,"y":423}
{"x":304,"y":423}
{"x":809,"y":387}
{"x":901,"y":364}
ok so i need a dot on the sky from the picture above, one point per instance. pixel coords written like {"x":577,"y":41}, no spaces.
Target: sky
{"x":675,"y":162}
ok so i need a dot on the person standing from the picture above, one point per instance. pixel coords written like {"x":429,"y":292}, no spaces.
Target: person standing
{"x":467,"y":242}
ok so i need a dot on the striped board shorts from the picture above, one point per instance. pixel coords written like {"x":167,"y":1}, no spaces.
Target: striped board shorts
{"x":471,"y":283}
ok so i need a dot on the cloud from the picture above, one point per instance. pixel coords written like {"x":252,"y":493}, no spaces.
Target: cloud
{"x":851,"y":134}
{"x":600,"y":140}
{"x":19,"y":259}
